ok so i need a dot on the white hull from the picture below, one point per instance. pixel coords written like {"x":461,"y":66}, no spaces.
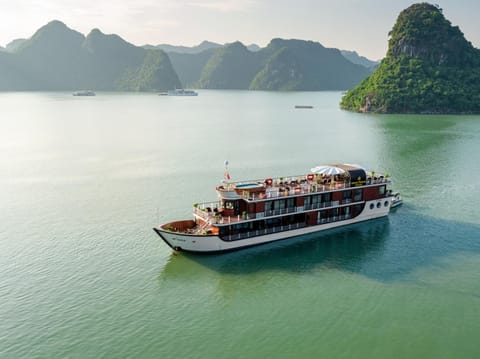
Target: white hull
{"x":212,"y":243}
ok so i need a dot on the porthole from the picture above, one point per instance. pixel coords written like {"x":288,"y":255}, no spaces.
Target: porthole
{"x":386,"y":204}
{"x":379,"y":204}
{"x":372,"y":206}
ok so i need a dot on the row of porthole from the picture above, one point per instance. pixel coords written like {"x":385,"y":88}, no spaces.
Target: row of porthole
{"x":379,"y":204}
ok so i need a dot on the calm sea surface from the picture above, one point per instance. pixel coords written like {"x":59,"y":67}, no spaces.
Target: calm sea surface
{"x":82,"y":274}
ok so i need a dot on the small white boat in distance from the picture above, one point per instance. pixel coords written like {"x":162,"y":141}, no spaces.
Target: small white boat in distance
{"x":179,"y":92}
{"x":84,"y":93}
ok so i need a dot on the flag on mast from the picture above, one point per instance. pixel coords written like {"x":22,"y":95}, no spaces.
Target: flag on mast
{"x":227,"y":174}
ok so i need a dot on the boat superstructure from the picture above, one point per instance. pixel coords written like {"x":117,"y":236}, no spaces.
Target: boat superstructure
{"x":253,"y":212}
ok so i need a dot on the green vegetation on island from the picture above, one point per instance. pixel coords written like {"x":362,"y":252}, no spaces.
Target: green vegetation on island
{"x":189,"y":66}
{"x":282,"y":65}
{"x":230,"y":67}
{"x":154,"y":72}
{"x":430,"y":68}
{"x":306,"y":66}
{"x":58,"y":58}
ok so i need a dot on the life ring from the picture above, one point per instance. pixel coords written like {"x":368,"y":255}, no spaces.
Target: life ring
{"x":310,"y":177}
{"x":269,"y":181}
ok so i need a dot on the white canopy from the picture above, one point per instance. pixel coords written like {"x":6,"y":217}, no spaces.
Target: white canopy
{"x":327,"y":170}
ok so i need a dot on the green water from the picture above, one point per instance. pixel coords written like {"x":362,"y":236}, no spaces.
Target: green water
{"x":83,"y":180}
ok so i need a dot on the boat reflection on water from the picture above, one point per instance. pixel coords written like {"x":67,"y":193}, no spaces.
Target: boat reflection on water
{"x":344,"y":248}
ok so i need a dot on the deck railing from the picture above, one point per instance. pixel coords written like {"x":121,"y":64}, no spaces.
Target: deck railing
{"x":261,"y":232}
{"x":308,"y":188}
{"x":281,"y":228}
{"x":213,"y":217}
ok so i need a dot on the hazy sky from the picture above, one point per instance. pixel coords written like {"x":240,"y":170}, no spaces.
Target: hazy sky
{"x":360,"y":25}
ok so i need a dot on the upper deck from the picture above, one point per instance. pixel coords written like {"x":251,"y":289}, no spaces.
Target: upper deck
{"x":257,"y":199}
{"x":291,"y":186}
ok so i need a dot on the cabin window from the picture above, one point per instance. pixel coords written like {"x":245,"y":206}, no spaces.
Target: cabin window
{"x":273,"y":222}
{"x":269,"y":205}
{"x":372,"y":206}
{"x":315,"y":199}
{"x":379,"y":204}
{"x":347,"y":194}
{"x":321,"y":216}
{"x":290,"y":202}
{"x":381,"y":190}
{"x":327,"y":197}
{"x":357,"y":195}
{"x":232,"y":205}
{"x":299,"y":217}
{"x":280,"y":204}
{"x":307,"y":201}
{"x":287,"y":220}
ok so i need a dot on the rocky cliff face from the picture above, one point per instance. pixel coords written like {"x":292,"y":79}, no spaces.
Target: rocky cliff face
{"x":285,"y":65}
{"x":230,"y":67}
{"x":422,"y":31}
{"x":430,"y":68}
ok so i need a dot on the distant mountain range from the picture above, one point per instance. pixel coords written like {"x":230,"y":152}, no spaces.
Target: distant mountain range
{"x":354,"y":57}
{"x":282,"y":65}
{"x":204,"y":45}
{"x":59,"y":58}
{"x":14,"y":45}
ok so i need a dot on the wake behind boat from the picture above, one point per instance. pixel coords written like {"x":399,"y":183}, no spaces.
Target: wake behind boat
{"x":254,"y":212}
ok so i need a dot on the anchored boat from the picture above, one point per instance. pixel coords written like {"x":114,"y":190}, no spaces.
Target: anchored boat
{"x":84,"y":93}
{"x":179,"y":92}
{"x":254,"y":212}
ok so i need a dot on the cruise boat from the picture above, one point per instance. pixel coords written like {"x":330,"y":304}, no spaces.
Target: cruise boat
{"x":303,"y":106}
{"x":84,"y":93}
{"x":254,"y":212}
{"x":179,"y":92}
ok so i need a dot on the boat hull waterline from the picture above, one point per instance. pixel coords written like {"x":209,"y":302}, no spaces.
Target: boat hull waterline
{"x":213,"y":243}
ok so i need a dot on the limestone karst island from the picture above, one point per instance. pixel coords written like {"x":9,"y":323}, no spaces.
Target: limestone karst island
{"x":429,"y":68}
